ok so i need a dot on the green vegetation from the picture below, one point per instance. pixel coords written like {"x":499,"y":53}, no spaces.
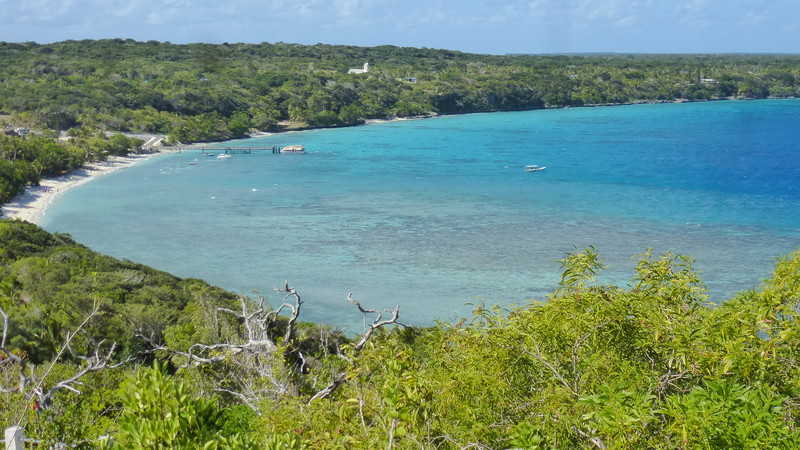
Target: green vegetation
{"x":653,"y":365}
{"x":204,"y":92}
{"x":93,"y":346}
{"x":25,"y":161}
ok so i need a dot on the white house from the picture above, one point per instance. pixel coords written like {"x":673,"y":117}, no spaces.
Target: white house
{"x":364,"y":70}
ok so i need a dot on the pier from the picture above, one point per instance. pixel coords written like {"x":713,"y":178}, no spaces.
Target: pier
{"x":227,"y":150}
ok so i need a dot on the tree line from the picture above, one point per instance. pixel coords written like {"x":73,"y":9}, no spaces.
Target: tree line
{"x":204,"y":92}
{"x":27,"y":160}
{"x":96,"y":346}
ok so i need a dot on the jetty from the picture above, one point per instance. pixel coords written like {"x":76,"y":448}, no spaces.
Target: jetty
{"x":227,"y":150}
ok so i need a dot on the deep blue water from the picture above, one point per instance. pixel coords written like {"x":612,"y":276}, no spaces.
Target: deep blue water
{"x":433,"y":214}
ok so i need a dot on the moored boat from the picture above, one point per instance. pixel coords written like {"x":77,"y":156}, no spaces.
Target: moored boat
{"x":293,"y":149}
{"x":534,"y":168}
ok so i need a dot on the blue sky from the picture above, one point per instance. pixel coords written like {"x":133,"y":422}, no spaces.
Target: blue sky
{"x":480,"y":26}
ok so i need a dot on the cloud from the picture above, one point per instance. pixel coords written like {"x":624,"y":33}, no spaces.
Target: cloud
{"x":468,"y":25}
{"x":38,"y":11}
{"x":582,"y":14}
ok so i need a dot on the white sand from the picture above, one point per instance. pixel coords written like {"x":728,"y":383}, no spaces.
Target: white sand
{"x":32,"y":204}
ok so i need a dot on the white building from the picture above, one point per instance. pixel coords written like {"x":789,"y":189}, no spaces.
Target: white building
{"x":364,"y":70}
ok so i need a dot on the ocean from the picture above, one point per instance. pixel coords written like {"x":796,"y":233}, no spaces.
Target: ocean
{"x":437,"y":215}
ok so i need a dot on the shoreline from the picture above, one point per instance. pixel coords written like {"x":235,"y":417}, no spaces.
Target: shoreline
{"x":31,"y":205}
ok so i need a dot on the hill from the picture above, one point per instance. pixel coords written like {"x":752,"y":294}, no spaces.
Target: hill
{"x":202,"y":92}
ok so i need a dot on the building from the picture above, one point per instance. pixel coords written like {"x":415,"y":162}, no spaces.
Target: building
{"x":364,"y":70}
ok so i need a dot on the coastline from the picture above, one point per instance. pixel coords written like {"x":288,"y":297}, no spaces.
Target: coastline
{"x":32,"y":205}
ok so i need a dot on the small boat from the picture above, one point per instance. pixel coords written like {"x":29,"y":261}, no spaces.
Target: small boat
{"x":206,"y":154}
{"x":534,"y":168}
{"x":223,"y":156}
{"x":293,"y":149}
{"x":192,"y":163}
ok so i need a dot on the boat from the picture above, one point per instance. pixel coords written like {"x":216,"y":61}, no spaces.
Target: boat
{"x":534,"y":168}
{"x":223,"y":156}
{"x":206,"y":154}
{"x":293,"y":149}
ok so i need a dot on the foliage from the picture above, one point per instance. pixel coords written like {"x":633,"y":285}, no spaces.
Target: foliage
{"x":159,"y":413}
{"x":49,"y":284}
{"x":649,"y":365}
{"x":211,"y":92}
{"x":730,"y":415}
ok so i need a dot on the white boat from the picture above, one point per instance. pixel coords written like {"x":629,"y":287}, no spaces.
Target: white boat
{"x":534,"y":168}
{"x":293,"y":149}
{"x":223,"y":156}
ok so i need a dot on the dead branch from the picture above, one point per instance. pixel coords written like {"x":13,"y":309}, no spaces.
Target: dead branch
{"x":596,"y":441}
{"x":337,"y":381}
{"x":290,"y":291}
{"x":245,"y":399}
{"x":377,"y":322}
{"x":15,"y":359}
{"x":538,"y":356}
{"x":223,"y":350}
{"x":255,"y":353}
{"x":94,"y":363}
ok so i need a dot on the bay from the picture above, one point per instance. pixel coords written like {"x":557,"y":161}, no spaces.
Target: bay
{"x":437,"y":215}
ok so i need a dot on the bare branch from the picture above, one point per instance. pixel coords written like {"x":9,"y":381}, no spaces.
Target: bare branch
{"x":192,"y":355}
{"x":596,"y":441}
{"x":290,"y":291}
{"x":337,"y":381}
{"x":254,"y":352}
{"x":378,"y":322}
{"x":538,"y":356}
{"x":89,"y":364}
{"x":15,"y":359}
{"x":245,"y":399}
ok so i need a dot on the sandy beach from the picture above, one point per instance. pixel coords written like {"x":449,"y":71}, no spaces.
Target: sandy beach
{"x":32,"y":204}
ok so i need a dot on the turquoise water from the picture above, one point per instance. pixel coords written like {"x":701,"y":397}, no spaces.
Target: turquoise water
{"x":438,"y":213}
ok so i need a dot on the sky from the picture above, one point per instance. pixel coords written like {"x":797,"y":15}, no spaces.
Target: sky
{"x":476,"y":26}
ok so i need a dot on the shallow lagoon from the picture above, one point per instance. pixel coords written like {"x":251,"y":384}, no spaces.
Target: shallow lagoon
{"x":434,"y":214}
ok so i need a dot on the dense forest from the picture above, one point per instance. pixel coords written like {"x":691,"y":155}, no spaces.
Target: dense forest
{"x":93,"y":346}
{"x":202,"y":92}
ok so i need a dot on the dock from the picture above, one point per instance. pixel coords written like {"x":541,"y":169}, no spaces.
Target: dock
{"x":227,"y":150}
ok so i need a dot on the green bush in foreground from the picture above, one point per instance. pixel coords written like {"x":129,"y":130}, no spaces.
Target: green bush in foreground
{"x":159,"y":413}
